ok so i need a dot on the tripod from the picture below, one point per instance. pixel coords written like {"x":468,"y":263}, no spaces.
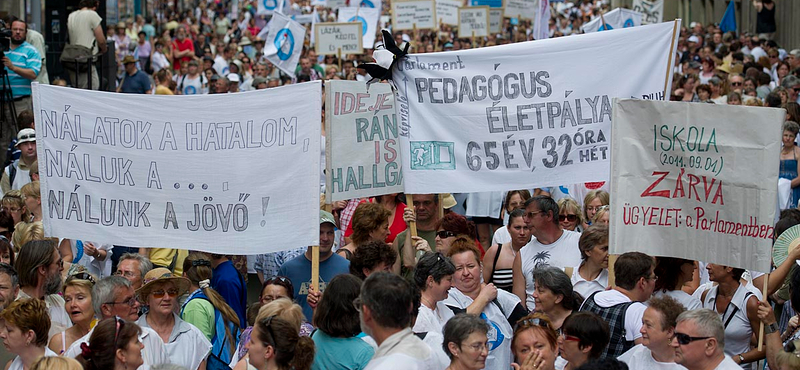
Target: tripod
{"x":7,"y":99}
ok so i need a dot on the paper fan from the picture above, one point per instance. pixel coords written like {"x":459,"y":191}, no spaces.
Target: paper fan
{"x":787,"y":241}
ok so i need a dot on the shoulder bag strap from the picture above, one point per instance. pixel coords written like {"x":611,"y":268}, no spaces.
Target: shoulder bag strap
{"x":494,"y":265}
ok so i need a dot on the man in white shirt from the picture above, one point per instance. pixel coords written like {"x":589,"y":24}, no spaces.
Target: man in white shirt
{"x":551,"y":245}
{"x":622,"y":307}
{"x":699,"y":341}
{"x":221,"y":61}
{"x":193,"y":82}
{"x":114,"y":297}
{"x":385,"y":311}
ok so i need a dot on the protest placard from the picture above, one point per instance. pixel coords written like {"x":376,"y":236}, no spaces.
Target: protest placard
{"x":615,"y":19}
{"x":495,"y":20}
{"x":693,"y":181}
{"x":447,"y":11}
{"x":338,"y":38}
{"x":227,"y":174}
{"x":473,"y":21}
{"x":284,"y":43}
{"x":411,"y":14}
{"x":336,"y":4}
{"x":517,"y":116}
{"x":368,"y":17}
{"x":652,"y":11}
{"x":361,"y":141}
{"x":521,"y":9}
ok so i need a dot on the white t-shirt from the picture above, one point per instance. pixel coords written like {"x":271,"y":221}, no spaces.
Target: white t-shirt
{"x":728,"y":364}
{"x":689,"y":302}
{"x":561,"y":253}
{"x":633,"y":315}
{"x":587,"y":288}
{"x":440,"y":359}
{"x":640,"y":357}
{"x":16,"y":364}
{"x":193,"y":86}
{"x":500,"y":331}
{"x":429,"y":321}
{"x":501,"y":236}
{"x":402,"y":350}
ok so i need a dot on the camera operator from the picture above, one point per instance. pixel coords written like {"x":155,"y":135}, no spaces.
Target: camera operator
{"x":22,"y":63}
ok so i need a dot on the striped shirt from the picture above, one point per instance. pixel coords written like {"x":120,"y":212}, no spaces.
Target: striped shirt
{"x":24,"y":56}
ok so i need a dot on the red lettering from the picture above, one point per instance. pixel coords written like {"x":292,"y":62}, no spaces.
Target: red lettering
{"x":391,"y":154}
{"x":693,"y":181}
{"x":661,"y":193}
{"x":718,"y":195}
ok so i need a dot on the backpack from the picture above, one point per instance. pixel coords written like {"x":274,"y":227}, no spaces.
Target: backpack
{"x":202,"y":82}
{"x":221,"y":351}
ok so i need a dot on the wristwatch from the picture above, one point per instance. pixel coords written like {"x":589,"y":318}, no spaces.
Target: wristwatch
{"x":741,"y":359}
{"x":771,"y":328}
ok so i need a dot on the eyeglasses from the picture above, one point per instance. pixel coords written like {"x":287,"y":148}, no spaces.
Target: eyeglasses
{"x":445,"y":234}
{"x":527,"y":323}
{"x":158,"y":294}
{"x":570,"y":338}
{"x":684,"y":339}
{"x":126,"y":274}
{"x":12,"y":209}
{"x":81,"y":276}
{"x":531,"y":214}
{"x":654,"y":277}
{"x":357,"y":304}
{"x":570,"y":218}
{"x":267,"y":322}
{"x":119,"y":322}
{"x":130,"y":302}
{"x":479,"y":347}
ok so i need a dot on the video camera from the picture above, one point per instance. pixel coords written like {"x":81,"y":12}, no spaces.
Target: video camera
{"x":5,"y":38}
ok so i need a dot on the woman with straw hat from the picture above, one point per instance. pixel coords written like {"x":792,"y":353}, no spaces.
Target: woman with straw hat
{"x":186,"y":345}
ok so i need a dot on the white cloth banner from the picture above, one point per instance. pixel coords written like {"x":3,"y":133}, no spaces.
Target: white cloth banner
{"x":541,"y":26}
{"x":652,"y":11}
{"x":266,"y":7}
{"x":615,"y":19}
{"x":204,"y":172}
{"x":375,"y":4}
{"x":368,"y":18}
{"x":517,"y":116}
{"x":361,"y":141}
{"x":693,"y":181}
{"x":284,"y":43}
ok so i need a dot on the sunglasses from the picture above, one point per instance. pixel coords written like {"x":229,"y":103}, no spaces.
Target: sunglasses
{"x":527,"y":323}
{"x":571,"y":338}
{"x":276,"y":279}
{"x":82,"y":276}
{"x":570,"y":218}
{"x":26,"y":137}
{"x":445,"y":234}
{"x":158,"y":294}
{"x":684,"y":339}
{"x":736,"y":83}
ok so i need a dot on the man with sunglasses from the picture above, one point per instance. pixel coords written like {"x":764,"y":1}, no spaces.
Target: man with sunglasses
{"x":551,"y":245}
{"x":114,"y":296}
{"x":699,"y":342}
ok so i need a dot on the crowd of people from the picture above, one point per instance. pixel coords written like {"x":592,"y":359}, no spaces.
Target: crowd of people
{"x":521,"y":278}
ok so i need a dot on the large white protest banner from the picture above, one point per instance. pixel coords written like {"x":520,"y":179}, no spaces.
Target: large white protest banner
{"x":652,"y":11}
{"x":338,"y":38}
{"x":495,"y":20}
{"x":521,"y":9}
{"x":690,"y":181}
{"x":205,"y":172}
{"x":266,"y":7}
{"x":284,"y":43}
{"x":369,"y":20}
{"x":473,"y":21}
{"x":447,"y":11}
{"x":517,"y":116}
{"x":361,"y":141}
{"x":410,"y":14}
{"x":615,"y":19}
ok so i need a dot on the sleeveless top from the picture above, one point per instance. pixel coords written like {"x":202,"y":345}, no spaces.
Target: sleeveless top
{"x":765,"y":20}
{"x":615,"y":317}
{"x":789,"y":171}
{"x":501,"y":278}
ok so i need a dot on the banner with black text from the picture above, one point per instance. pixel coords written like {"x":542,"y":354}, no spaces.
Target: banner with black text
{"x":227,"y":173}
{"x":520,"y":116}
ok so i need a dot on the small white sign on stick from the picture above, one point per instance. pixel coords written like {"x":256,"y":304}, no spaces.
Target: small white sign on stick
{"x":496,"y":20}
{"x":522,"y":9}
{"x":338,"y":38}
{"x":473,"y":21}
{"x":419,"y":14}
{"x":447,"y":11}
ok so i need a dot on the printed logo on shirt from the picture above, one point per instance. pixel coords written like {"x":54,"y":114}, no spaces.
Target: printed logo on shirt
{"x":495,"y":336}
{"x":189,"y":90}
{"x":306,"y":286}
{"x":540,"y":259}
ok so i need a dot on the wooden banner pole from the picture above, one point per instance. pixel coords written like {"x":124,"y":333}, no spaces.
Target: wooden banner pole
{"x":761,"y":325}
{"x":315,"y":268}
{"x":339,"y":57}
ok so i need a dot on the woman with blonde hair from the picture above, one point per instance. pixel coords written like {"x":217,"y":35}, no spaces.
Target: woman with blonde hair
{"x":78,"y":304}
{"x":569,"y":215}
{"x":25,"y":232}
{"x":25,"y":332}
{"x":15,"y":206}
{"x":207,"y":310}
{"x":56,"y":363}
{"x":592,"y":203}
{"x":33,"y":200}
